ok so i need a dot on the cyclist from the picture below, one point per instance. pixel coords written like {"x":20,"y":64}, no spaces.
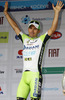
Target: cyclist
{"x":33,"y":49}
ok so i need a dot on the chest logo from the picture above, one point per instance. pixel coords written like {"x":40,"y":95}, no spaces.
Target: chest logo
{"x":31,"y":41}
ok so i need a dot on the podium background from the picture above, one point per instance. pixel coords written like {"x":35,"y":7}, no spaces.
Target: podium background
{"x":11,"y":65}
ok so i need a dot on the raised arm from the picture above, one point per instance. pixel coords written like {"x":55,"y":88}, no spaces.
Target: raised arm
{"x":56,"y":9}
{"x":10,"y":20}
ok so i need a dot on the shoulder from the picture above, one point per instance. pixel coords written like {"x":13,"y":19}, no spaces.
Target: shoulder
{"x":44,"y":36}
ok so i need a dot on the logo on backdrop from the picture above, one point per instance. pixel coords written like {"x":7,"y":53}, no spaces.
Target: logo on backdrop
{"x":18,"y":70}
{"x":1,"y":72}
{"x":50,"y":88}
{"x":25,"y":19}
{"x":4,"y":37}
{"x":1,"y":20}
{"x":27,"y":5}
{"x":44,"y":18}
{"x":1,"y":92}
{"x":56,"y":35}
{"x":53,"y":52}
{"x":1,"y":55}
{"x":20,"y":54}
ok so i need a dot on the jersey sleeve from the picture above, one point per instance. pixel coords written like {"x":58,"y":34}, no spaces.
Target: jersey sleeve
{"x":45,"y":37}
{"x":22,"y":36}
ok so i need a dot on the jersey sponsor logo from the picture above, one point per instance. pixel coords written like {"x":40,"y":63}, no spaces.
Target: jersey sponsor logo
{"x":28,"y":59}
{"x":39,"y":88}
{"x":35,"y":87}
{"x":31,"y":47}
{"x":41,"y":55}
{"x":56,"y":35}
{"x":29,"y":53}
{"x":29,"y":41}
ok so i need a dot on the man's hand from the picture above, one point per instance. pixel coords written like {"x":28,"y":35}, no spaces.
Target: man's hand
{"x":58,"y":7}
{"x":5,"y":7}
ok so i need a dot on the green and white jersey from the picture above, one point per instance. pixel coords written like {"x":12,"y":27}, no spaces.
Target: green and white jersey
{"x":33,"y":49}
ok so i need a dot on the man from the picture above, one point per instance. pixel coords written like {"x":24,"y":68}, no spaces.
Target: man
{"x":31,"y":80}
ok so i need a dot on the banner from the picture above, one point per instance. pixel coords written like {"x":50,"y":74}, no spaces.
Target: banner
{"x":28,"y":5}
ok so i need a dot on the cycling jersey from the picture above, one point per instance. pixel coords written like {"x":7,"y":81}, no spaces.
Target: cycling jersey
{"x":33,"y":49}
{"x":31,"y":81}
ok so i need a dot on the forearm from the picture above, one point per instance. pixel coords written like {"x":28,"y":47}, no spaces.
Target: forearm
{"x":55,"y":21}
{"x":54,"y":24}
{"x":56,"y":9}
{"x":12,"y":23}
{"x":10,"y":20}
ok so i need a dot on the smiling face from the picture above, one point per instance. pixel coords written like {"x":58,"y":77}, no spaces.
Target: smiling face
{"x":33,"y":31}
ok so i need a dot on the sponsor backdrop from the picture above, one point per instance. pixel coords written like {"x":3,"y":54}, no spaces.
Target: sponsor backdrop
{"x":11,"y":55}
{"x":28,"y":5}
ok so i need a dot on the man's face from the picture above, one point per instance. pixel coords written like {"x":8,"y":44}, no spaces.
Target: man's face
{"x":33,"y":31}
